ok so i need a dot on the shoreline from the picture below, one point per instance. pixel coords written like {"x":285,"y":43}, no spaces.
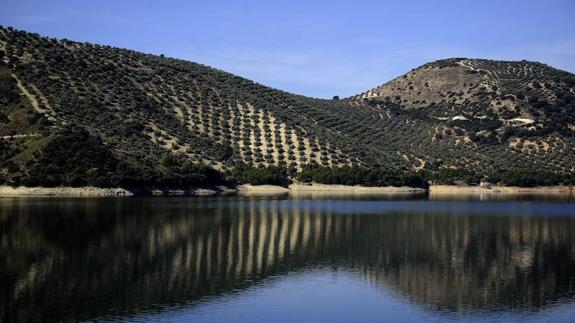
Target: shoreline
{"x":261,"y":190}
{"x":84,"y":191}
{"x":244,"y":190}
{"x":296,"y":189}
{"x":440,"y":190}
{"x":316,"y":187}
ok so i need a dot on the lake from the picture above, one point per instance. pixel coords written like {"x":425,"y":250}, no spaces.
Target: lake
{"x":262,"y":259}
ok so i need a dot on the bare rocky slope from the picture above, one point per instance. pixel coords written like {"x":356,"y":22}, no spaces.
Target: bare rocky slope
{"x":83,"y":114}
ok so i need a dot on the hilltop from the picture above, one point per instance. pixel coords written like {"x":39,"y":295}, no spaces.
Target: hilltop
{"x":516,"y":93}
{"x":83,"y":114}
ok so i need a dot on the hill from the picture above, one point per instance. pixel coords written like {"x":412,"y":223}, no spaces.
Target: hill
{"x":487,"y":116}
{"x":76,"y":113}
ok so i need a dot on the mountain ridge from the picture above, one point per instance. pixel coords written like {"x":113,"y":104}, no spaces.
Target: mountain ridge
{"x":166,"y":118}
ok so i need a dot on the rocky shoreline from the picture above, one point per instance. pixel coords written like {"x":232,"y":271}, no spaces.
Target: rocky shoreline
{"x":297,"y":189}
{"x":85,"y":191}
{"x":500,"y":190}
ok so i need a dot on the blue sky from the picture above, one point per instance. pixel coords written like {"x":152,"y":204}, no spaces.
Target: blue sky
{"x":315,"y":48}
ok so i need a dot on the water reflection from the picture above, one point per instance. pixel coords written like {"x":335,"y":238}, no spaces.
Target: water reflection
{"x":83,"y":259}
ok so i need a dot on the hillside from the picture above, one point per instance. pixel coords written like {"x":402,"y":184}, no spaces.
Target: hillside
{"x":76,"y":113}
{"x":487,"y":115}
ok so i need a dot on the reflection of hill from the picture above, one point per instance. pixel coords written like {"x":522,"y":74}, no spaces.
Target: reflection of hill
{"x":464,"y":263}
{"x":87,"y":258}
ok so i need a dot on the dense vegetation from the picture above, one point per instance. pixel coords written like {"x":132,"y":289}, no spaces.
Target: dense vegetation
{"x":273,"y":175}
{"x":362,"y":176}
{"x":74,"y":157}
{"x":531,"y":179}
{"x":174,"y":122}
{"x":502,"y":177}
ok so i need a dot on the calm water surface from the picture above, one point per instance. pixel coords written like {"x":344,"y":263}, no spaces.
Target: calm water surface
{"x":234,"y":259}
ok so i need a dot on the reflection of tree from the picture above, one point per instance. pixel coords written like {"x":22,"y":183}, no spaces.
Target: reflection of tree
{"x":79,"y":259}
